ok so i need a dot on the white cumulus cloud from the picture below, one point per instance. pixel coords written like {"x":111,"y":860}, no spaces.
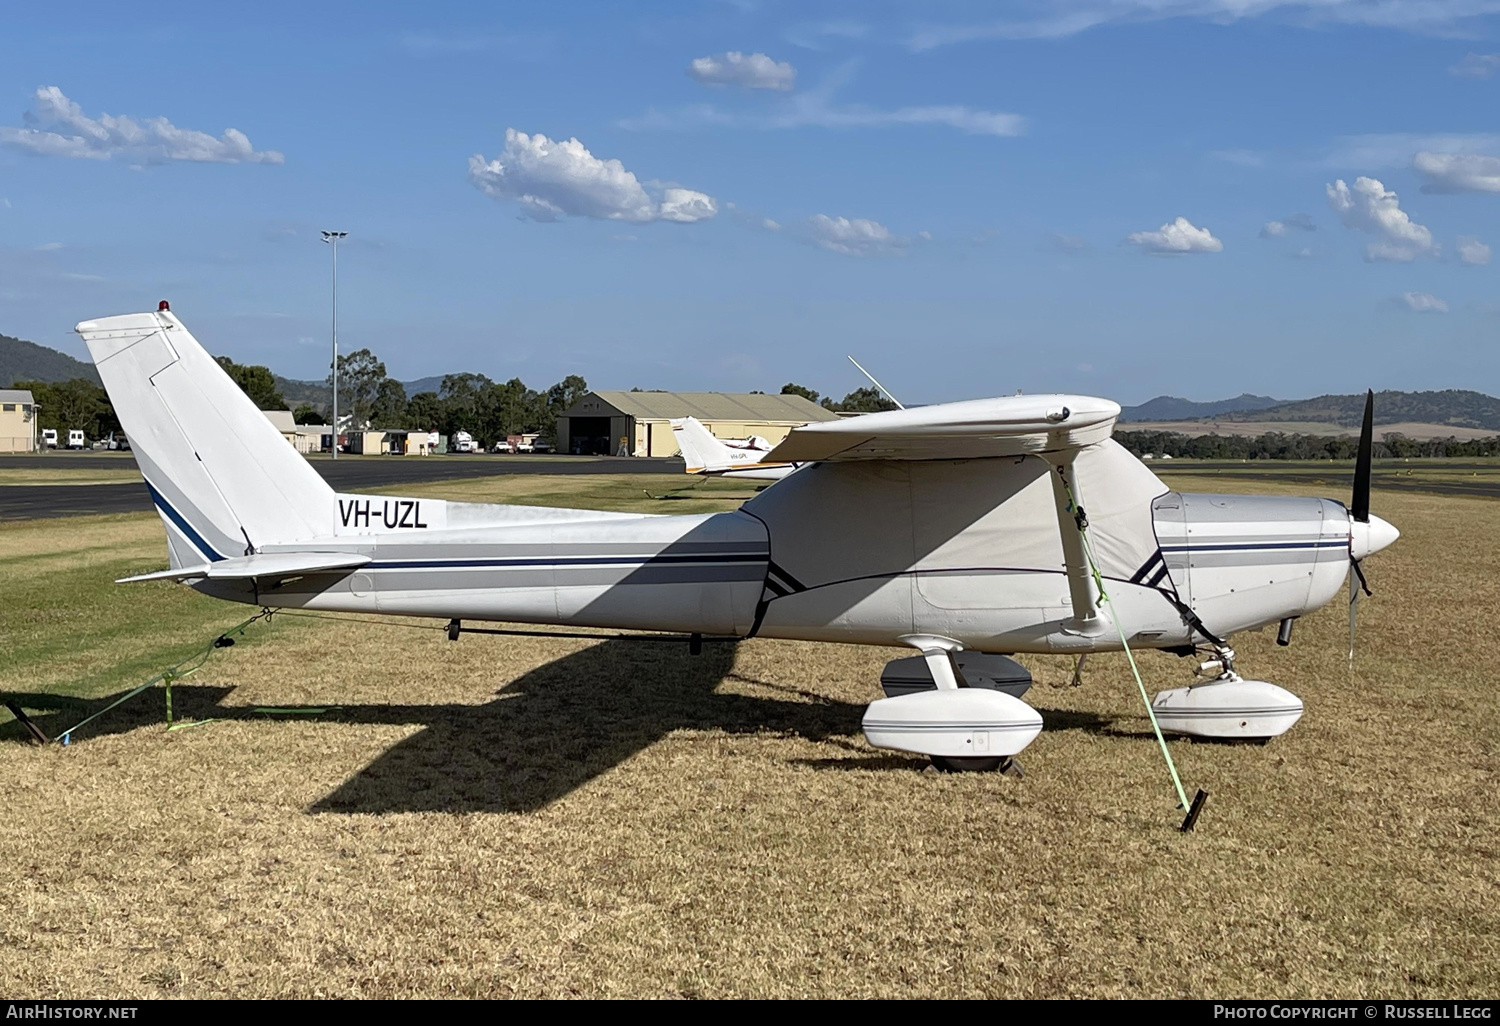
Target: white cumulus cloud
{"x":57,"y":127}
{"x":685,"y":206}
{"x":1424,"y":302}
{"x":1473,"y":252}
{"x":1458,"y":172}
{"x":1371,"y":208}
{"x":750,"y":71}
{"x":857,"y":237}
{"x":552,"y":179}
{"x":1179,"y":236}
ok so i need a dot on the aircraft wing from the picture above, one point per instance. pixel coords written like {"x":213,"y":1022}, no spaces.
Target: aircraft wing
{"x":266,"y":564}
{"x":978,"y":428}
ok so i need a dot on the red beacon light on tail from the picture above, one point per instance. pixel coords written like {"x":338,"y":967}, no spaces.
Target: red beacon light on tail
{"x":163,"y":307}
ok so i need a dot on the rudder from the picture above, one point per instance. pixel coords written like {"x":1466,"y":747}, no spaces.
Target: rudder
{"x":222,"y":477}
{"x":701,"y":451}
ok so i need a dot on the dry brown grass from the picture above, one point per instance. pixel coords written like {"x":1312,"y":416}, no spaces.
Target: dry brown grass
{"x":547,"y":818}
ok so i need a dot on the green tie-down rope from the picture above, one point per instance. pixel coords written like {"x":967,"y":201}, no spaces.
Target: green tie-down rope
{"x":1104,"y":600}
{"x":171,"y":674}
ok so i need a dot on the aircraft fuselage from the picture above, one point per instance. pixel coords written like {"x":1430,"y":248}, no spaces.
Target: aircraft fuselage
{"x":966,"y":550}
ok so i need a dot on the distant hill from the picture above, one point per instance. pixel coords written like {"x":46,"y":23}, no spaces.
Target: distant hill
{"x":431,"y":384}
{"x":1168,"y":407}
{"x":26,"y":361}
{"x":315,"y":393}
{"x":1458,"y":407}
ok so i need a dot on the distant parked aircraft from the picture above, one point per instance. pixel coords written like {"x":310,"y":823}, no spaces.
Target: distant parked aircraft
{"x":705,"y":454}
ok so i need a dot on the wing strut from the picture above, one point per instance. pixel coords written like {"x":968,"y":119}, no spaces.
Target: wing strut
{"x":1074,"y":525}
{"x":1071,"y":523}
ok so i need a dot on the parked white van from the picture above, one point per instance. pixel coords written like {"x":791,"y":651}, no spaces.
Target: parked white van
{"x":49,"y":438}
{"x":76,"y":439}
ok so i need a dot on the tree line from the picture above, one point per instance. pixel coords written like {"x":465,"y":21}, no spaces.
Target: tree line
{"x":861,"y":400}
{"x":491,"y":410}
{"x":488,"y":410}
{"x":1276,"y":445}
{"x":75,"y":405}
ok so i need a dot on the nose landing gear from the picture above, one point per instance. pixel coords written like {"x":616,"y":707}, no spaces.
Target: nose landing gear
{"x":1227,"y":707}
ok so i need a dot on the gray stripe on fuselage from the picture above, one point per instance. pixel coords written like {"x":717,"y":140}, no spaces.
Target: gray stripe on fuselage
{"x":1205,"y":540}
{"x":1252,"y":557}
{"x":467,"y":578}
{"x":1206,"y":508}
{"x":392,"y":551}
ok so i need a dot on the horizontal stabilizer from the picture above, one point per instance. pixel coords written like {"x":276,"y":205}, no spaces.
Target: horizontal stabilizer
{"x":975,"y":429}
{"x":270,"y":564}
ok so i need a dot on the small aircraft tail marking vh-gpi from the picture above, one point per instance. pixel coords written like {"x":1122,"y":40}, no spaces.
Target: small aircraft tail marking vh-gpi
{"x":705,"y":454}
{"x":953,"y":528}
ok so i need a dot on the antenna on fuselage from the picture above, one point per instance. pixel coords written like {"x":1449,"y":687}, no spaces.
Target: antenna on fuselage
{"x":877,"y":384}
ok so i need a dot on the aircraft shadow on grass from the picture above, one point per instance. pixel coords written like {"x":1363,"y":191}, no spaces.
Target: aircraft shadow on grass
{"x":547,"y":733}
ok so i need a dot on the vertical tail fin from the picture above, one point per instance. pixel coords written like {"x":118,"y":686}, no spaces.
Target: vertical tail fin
{"x":704,"y":453}
{"x":223,"y":479}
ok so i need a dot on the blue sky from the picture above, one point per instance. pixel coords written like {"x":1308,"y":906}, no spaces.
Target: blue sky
{"x":970,"y":198}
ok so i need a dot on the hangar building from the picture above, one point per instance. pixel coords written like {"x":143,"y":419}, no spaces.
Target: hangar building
{"x":17,"y":421}
{"x":602,"y":422}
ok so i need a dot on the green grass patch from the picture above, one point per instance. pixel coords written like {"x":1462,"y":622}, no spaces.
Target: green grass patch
{"x":73,"y":637}
{"x":71,"y":632}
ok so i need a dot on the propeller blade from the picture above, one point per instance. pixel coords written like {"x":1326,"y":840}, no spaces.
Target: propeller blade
{"x":1353,"y":613}
{"x":1359,"y":506}
{"x":1357,"y":586}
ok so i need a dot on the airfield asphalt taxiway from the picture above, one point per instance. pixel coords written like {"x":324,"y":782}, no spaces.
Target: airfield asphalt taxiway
{"x":32,"y":502}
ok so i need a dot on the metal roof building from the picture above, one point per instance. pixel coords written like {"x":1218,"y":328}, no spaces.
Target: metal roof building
{"x":17,"y":420}
{"x":605,"y":423}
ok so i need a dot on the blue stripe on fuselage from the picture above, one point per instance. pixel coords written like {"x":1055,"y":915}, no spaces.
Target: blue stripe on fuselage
{"x":500,"y":562}
{"x":1327,"y":543}
{"x":165,"y":508}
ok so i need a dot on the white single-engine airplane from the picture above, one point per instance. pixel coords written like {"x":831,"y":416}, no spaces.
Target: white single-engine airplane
{"x":704,"y":454}
{"x":957,"y":529}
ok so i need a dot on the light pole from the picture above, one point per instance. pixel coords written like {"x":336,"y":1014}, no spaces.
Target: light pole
{"x":332,"y":238}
